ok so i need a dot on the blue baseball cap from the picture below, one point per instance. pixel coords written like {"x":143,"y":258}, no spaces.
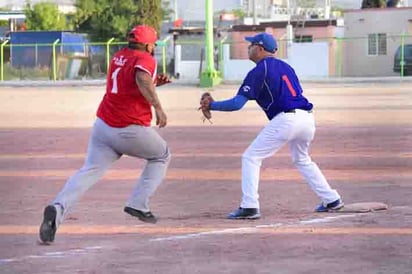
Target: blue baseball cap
{"x":264,"y":39}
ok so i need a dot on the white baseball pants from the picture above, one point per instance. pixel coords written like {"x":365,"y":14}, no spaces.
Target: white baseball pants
{"x":296,"y":129}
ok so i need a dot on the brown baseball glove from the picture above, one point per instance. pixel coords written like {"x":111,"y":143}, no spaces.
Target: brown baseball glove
{"x":205,"y":101}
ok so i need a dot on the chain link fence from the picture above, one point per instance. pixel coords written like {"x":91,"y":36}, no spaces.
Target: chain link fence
{"x":374,"y":55}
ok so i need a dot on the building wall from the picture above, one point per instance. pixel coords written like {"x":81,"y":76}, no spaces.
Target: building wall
{"x":360,"y":23}
{"x":319,"y":34}
{"x":237,"y":69}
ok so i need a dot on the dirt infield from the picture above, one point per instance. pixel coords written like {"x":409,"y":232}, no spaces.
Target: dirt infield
{"x":363,"y":144}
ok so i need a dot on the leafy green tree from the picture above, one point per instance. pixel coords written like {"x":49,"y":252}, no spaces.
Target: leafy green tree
{"x":239,"y":13}
{"x":105,"y":19}
{"x":149,"y":12}
{"x":44,"y":16}
{"x":167,"y":11}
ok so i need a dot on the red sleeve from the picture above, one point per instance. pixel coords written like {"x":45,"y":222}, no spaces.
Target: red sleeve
{"x":147,"y":64}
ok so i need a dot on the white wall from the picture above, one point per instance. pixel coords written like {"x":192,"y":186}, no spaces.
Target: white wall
{"x":187,"y":70}
{"x":310,"y":60}
{"x":234,"y":70}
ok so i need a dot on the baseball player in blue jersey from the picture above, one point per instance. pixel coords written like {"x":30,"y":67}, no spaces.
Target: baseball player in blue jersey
{"x":275,"y":87}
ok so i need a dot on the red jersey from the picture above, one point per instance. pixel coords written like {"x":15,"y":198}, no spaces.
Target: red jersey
{"x":123,"y":104}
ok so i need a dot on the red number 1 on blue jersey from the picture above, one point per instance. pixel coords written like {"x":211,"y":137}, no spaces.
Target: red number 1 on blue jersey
{"x":290,"y":87}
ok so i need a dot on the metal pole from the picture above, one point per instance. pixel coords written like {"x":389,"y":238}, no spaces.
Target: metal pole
{"x":2,"y":59}
{"x":254,"y":12}
{"x":164,"y":44}
{"x":221,"y":53}
{"x":210,"y":76}
{"x":339,"y":59}
{"x":209,"y":36}
{"x":54,"y":60}
{"x":35,"y":55}
{"x":175,"y":10}
{"x":402,"y":54}
{"x":327,"y":9}
{"x":108,"y":54}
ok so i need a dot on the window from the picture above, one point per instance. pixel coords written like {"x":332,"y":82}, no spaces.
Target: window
{"x":377,"y":44}
{"x":303,"y":38}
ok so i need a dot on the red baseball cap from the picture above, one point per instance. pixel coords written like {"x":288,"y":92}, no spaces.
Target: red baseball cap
{"x":143,"y":34}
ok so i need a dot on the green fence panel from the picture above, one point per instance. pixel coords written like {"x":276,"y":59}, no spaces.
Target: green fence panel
{"x":348,"y":56}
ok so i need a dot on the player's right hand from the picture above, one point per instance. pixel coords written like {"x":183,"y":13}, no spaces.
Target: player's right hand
{"x":162,"y":79}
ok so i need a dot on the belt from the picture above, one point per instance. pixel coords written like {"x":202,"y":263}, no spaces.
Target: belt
{"x":293,"y":110}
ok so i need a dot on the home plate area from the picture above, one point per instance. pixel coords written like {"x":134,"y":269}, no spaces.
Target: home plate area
{"x":361,"y":207}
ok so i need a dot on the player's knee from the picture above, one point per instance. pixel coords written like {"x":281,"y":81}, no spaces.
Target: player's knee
{"x":302,"y":161}
{"x":246,"y":156}
{"x":250,"y":159}
{"x":168,"y":155}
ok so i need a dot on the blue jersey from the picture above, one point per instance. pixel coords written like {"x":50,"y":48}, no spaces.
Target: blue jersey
{"x":273,"y":84}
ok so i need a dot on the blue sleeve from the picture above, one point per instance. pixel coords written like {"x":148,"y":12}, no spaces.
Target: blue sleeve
{"x":253,"y":82}
{"x":235,"y":103}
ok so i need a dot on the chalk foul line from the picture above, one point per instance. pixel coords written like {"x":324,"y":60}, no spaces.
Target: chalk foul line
{"x":54,"y":254}
{"x":253,"y":229}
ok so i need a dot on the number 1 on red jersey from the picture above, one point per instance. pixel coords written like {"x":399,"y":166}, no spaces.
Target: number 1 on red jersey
{"x":114,"y":79}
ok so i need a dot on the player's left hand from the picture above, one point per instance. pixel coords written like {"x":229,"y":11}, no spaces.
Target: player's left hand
{"x":205,"y":101}
{"x":162,"y":79}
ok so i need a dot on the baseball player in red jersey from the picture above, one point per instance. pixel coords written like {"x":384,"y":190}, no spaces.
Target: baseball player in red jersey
{"x":122,"y":127}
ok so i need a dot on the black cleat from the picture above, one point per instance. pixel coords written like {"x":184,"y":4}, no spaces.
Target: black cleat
{"x":48,"y":226}
{"x":147,"y":217}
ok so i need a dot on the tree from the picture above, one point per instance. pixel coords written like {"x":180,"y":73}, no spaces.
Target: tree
{"x":44,"y":16}
{"x":239,"y":13}
{"x":149,"y":12}
{"x":167,"y":11}
{"x":105,"y":19}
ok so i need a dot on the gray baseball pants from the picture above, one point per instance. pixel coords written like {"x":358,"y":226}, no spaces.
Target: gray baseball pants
{"x":106,"y":145}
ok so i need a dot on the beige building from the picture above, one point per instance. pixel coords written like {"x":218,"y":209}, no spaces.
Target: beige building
{"x":312,"y":31}
{"x":371,"y":39}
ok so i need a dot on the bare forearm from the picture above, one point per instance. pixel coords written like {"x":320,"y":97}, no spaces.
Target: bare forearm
{"x":147,"y":88}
